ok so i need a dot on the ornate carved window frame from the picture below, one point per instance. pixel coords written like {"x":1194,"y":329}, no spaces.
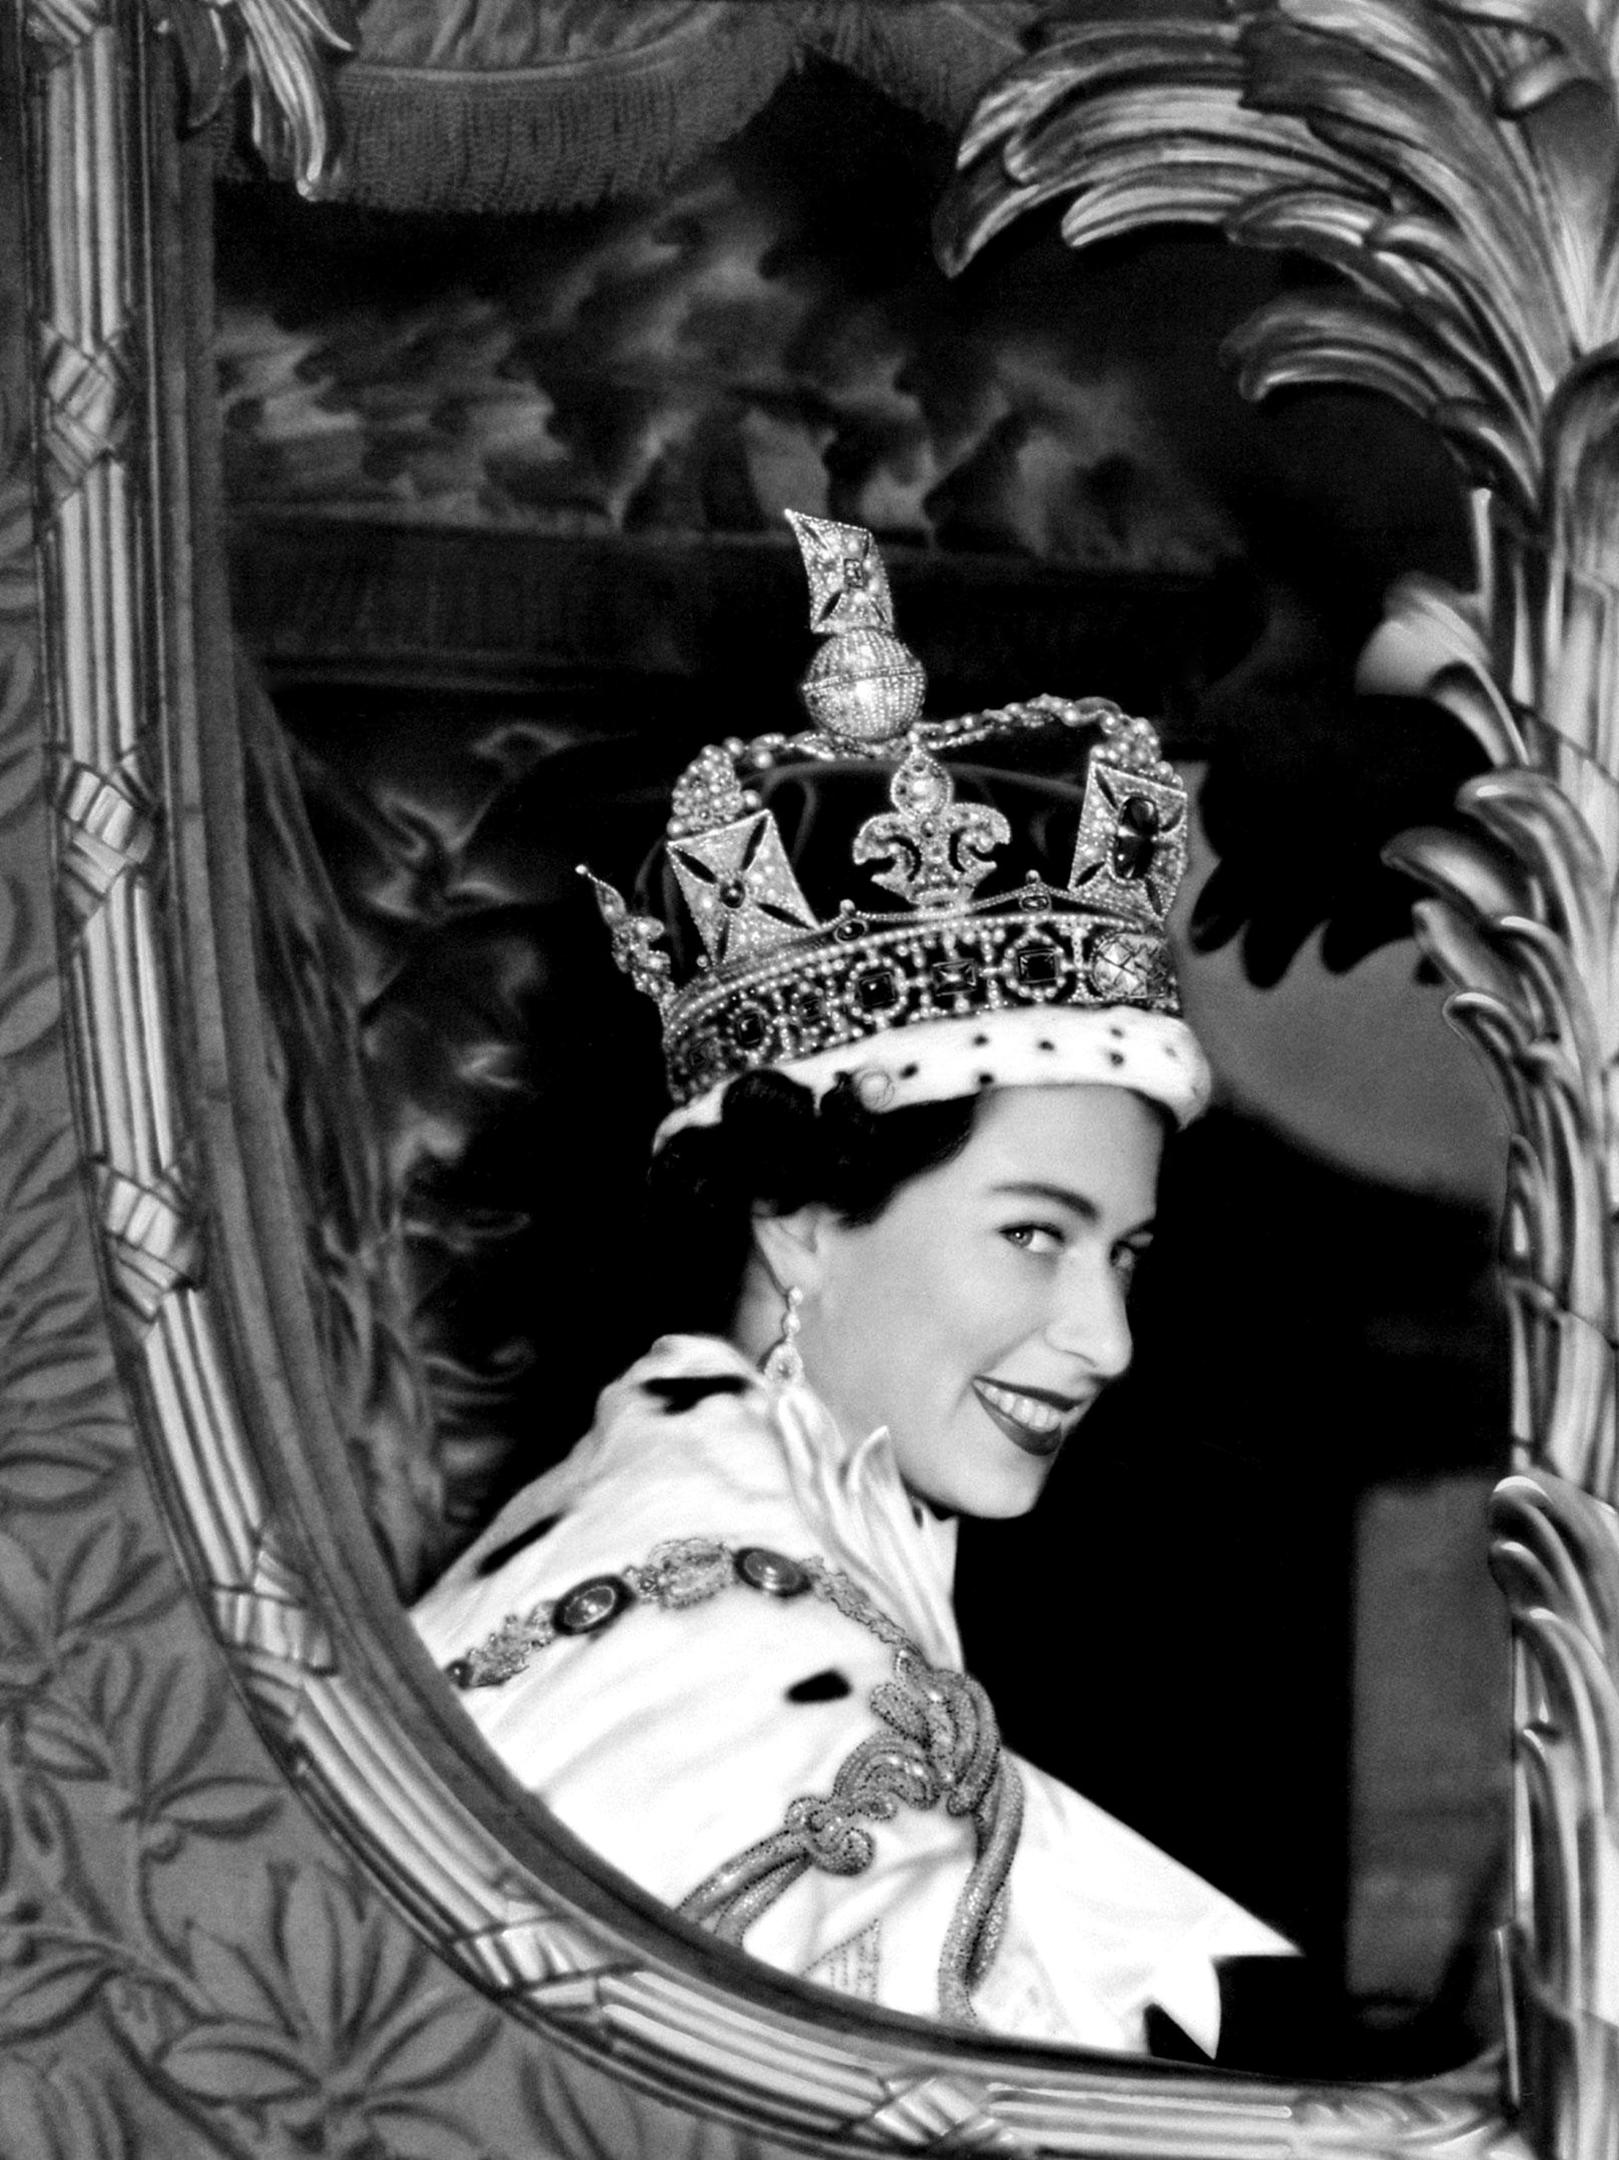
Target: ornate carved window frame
{"x":195,"y":1197}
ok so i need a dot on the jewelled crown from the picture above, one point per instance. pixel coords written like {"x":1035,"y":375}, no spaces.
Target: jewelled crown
{"x":825,"y":889}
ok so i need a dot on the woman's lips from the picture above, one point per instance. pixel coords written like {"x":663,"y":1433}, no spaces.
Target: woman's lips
{"x":1034,"y":1419}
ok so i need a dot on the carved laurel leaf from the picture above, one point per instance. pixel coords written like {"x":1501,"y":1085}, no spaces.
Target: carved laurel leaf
{"x":1370,"y":134}
{"x":25,"y":1645}
{"x":44,"y":1477}
{"x":281,"y":49}
{"x":1527,"y":948}
{"x":1140,"y":120}
{"x":326,"y":2005}
{"x":49,"y":2111}
{"x":202,"y":45}
{"x":56,"y":1742}
{"x":228,"y":1978}
{"x":171,"y":1739}
{"x":59,"y":1432}
{"x":444,"y":2034}
{"x":238,"y":2063}
{"x":1582,"y":467}
{"x":1557,"y":1559}
{"x":113,"y":1578}
{"x":1431,"y":643}
{"x":44,"y":1995}
{"x":1466,"y":957}
{"x":1535,"y":819}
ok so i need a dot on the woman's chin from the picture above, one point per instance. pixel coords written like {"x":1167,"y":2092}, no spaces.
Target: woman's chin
{"x":997,"y":1498}
{"x":1004,"y":1507}
{"x":973,"y":1466}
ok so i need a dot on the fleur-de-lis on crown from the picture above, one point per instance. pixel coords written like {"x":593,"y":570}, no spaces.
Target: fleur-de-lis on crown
{"x":937,"y":849}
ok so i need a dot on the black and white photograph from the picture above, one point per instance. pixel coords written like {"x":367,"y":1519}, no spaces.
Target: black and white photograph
{"x":809,"y":820}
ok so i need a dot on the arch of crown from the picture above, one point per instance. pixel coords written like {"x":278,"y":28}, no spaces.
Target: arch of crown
{"x":1456,"y":162}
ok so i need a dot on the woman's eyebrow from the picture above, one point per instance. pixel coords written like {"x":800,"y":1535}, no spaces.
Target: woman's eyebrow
{"x":1060,"y":1195}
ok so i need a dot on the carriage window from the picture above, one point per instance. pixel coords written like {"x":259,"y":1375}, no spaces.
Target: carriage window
{"x":506,"y":497}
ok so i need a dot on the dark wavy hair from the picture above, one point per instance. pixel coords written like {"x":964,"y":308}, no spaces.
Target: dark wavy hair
{"x":773,"y":1150}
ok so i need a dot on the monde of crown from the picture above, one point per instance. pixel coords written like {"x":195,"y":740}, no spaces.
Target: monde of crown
{"x":775,"y":981}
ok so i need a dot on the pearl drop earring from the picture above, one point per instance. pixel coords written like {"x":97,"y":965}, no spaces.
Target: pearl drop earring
{"x":782,"y":1364}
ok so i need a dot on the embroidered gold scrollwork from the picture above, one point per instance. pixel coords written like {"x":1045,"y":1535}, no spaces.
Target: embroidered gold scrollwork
{"x":943,"y":1743}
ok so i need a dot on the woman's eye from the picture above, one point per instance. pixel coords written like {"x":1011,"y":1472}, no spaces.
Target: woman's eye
{"x":1125,"y":1259}
{"x":1034,"y":1237}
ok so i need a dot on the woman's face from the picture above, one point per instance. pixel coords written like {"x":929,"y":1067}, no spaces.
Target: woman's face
{"x":983,"y":1312}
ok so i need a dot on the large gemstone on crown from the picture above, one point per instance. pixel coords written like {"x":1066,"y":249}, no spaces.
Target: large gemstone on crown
{"x":1122,"y":967}
{"x":877,"y":989}
{"x":865,"y":686}
{"x":1039,"y":964}
{"x":1135,"y":839}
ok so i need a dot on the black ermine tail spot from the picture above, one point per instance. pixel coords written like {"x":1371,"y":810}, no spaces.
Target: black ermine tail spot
{"x":493,"y":1562}
{"x":828,"y":1686}
{"x":679,"y":1396}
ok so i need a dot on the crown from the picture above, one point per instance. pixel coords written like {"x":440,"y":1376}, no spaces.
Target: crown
{"x":822,"y":890}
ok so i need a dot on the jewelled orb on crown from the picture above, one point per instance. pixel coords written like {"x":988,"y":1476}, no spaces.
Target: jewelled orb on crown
{"x":821,"y":892}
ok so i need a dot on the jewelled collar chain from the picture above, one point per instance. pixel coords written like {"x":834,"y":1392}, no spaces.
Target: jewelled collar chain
{"x":776,"y":983}
{"x":677,"y":1573}
{"x":940,"y":1741}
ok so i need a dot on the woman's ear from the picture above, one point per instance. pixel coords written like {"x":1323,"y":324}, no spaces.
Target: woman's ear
{"x":793,"y":1247}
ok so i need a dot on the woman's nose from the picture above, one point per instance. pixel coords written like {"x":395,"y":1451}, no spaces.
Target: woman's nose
{"x":1089,"y":1320}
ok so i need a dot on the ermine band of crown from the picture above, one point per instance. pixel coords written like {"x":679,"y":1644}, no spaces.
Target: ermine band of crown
{"x":866,"y":974}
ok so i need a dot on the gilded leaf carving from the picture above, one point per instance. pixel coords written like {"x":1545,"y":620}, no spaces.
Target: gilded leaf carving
{"x":282,"y":51}
{"x":1453,"y":161}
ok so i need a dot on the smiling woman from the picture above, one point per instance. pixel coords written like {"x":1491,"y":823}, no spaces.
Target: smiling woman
{"x":912,"y":1160}
{"x":990,"y":1288}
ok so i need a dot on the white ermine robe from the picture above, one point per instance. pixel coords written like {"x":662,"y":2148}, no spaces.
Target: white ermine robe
{"x":669,"y":1741}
